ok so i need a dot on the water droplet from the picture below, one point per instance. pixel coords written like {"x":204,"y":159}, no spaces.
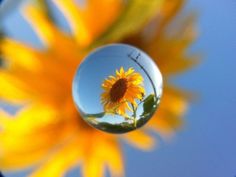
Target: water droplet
{"x":117,"y":88}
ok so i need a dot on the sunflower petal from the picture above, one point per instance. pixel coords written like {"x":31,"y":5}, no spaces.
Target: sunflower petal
{"x":13,"y":90}
{"x":172,"y":46}
{"x":140,"y":139}
{"x":122,"y":71}
{"x":129,"y":72}
{"x":168,"y":11}
{"x":168,"y":117}
{"x":133,"y":17}
{"x":40,"y":23}
{"x":101,"y":153}
{"x":19,"y":55}
{"x":17,"y":149}
{"x":99,"y":22}
{"x":114,"y":159}
{"x":75,"y":19}
{"x":58,"y":164}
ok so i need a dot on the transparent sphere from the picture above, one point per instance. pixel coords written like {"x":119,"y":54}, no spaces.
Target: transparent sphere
{"x":117,"y":88}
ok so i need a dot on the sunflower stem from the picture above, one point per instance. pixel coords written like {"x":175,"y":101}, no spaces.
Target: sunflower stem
{"x":134,"y":115}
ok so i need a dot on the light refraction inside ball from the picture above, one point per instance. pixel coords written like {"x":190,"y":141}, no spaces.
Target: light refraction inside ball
{"x":117,"y":88}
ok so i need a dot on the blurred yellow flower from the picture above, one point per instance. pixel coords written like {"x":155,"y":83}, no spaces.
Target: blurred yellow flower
{"x":120,"y":90}
{"x":48,"y":133}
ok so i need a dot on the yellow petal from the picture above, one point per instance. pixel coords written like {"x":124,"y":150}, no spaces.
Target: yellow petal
{"x":13,"y":90}
{"x":99,"y":22}
{"x":172,"y":47}
{"x":168,"y":11}
{"x":61,"y":161}
{"x":135,"y":14}
{"x":173,"y":102}
{"x":102,"y":151}
{"x":114,"y":159}
{"x":140,"y":139}
{"x":40,"y":23}
{"x":122,"y":71}
{"x":167,"y":118}
{"x":39,"y":123}
{"x":129,"y":72}
{"x":4,"y":119}
{"x":166,"y":123}
{"x":75,"y":19}
{"x":19,"y":55}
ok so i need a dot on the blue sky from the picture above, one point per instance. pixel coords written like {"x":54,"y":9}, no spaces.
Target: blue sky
{"x":206,"y":147}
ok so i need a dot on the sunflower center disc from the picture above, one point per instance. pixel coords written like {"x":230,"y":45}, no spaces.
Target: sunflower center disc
{"x":118,"y":90}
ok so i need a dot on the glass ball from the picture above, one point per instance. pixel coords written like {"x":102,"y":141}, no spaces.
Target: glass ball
{"x":117,"y":88}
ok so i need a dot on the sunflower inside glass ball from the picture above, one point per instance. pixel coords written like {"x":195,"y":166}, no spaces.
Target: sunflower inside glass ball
{"x":117,"y":88}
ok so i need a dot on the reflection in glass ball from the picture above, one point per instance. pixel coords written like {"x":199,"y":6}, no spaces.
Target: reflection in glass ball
{"x":117,"y":88}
